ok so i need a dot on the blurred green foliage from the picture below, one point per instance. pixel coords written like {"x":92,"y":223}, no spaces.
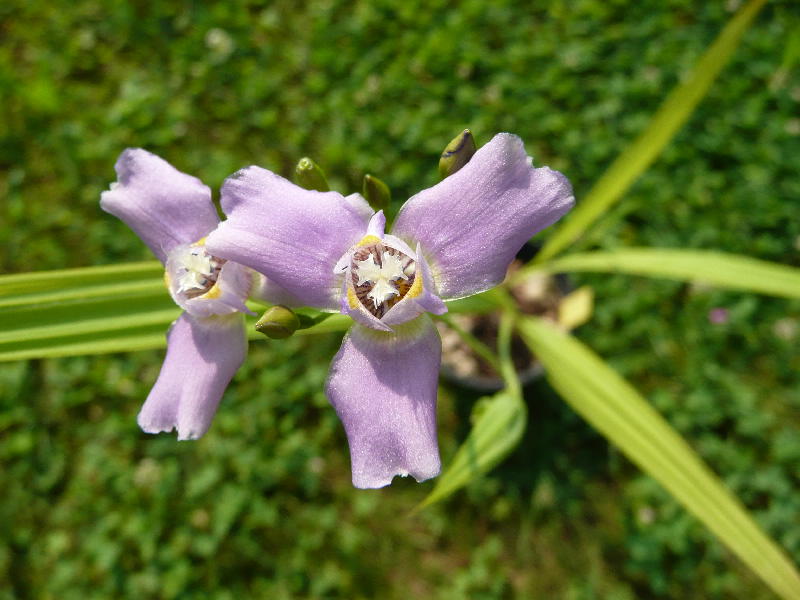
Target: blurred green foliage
{"x":262,"y":506}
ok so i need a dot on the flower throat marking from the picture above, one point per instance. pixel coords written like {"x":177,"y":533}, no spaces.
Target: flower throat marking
{"x":197,"y":271}
{"x":381,"y":277}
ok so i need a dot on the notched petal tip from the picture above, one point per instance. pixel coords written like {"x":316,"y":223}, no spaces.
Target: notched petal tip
{"x":202,"y":357}
{"x":183,"y":435}
{"x":560,"y":184}
{"x":240,"y":173}
{"x":368,"y":480}
{"x":383,"y":387}
{"x":125,"y":166}
{"x":150,"y":423}
{"x":191,"y":435}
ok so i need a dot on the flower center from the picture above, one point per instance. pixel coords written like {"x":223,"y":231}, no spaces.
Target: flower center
{"x":382,"y":276}
{"x":195,"y":271}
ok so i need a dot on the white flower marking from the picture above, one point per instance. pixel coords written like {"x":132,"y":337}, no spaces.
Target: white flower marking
{"x":195,"y":267}
{"x":381,"y":276}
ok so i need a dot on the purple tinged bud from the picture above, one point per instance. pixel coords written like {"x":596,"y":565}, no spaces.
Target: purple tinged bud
{"x":457,"y":153}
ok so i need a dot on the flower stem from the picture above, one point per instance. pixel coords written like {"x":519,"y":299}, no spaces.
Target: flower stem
{"x":477,"y":346}
{"x":507,"y":370}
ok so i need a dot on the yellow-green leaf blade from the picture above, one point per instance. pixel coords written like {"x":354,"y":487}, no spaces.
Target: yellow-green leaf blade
{"x":716,"y":268}
{"x":149,"y":286}
{"x":496,"y":431}
{"x":42,"y":281}
{"x":639,"y":155}
{"x":101,"y":342}
{"x":617,"y":410}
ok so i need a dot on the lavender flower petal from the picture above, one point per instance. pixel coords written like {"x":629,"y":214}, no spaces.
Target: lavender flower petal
{"x":268,"y":292}
{"x":163,"y":206}
{"x":202,"y":357}
{"x":292,"y":235}
{"x":473,"y":223}
{"x":383,"y":387}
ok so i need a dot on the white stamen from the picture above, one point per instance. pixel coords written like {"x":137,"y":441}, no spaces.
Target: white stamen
{"x":195,"y":267}
{"x":382,"y":276}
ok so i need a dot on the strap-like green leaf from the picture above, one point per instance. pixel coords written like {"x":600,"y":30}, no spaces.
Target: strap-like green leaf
{"x":716,"y":268}
{"x":617,"y":410}
{"x":43,"y":281}
{"x":149,"y":286}
{"x":95,"y":323}
{"x":497,"y":430}
{"x":672,"y":114}
{"x":101,"y":342}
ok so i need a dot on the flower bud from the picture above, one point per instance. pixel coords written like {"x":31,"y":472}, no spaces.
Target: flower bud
{"x":376,"y":192}
{"x":308,"y":175}
{"x":278,"y":322}
{"x":457,"y":153}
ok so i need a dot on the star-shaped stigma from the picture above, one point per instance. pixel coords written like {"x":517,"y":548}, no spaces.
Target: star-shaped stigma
{"x":381,"y":276}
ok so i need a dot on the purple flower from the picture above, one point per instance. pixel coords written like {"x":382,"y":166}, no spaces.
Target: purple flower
{"x":173,"y":213}
{"x":330,"y":252}
{"x":718,"y":315}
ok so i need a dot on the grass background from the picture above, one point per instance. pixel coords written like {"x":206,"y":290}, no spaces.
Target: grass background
{"x":262,"y":506}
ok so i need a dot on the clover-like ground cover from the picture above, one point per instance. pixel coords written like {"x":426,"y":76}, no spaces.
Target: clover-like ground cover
{"x":263,"y":507}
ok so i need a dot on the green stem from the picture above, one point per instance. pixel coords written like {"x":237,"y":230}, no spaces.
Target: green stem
{"x":477,"y":346}
{"x":507,"y":370}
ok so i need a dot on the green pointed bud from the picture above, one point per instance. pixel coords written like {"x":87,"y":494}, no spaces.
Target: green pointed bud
{"x":278,"y":322}
{"x":457,"y":153}
{"x":309,"y":175}
{"x":376,"y":192}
